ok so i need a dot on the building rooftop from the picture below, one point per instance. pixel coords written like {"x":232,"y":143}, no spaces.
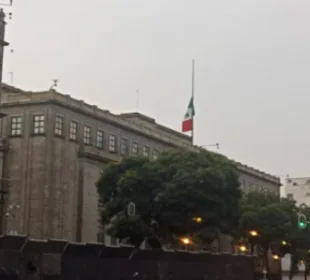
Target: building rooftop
{"x":134,"y":121}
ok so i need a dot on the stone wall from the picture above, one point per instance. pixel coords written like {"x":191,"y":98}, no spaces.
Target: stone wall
{"x":22,"y":258}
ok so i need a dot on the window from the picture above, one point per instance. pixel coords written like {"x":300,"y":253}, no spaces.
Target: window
{"x":38,"y":124}
{"x":16,"y":126}
{"x":135,"y":149}
{"x":290,"y":196}
{"x":100,"y":139}
{"x":59,"y":125}
{"x":155,"y":154}
{"x":146,"y":151}
{"x":124,"y":147}
{"x":87,"y":135}
{"x":73,"y":130}
{"x":112,"y":143}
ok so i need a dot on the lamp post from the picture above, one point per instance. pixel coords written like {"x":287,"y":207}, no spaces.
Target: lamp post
{"x":186,"y":241}
{"x":265,"y":272}
{"x":242,"y":248}
{"x":253,"y":234}
{"x":217,"y":145}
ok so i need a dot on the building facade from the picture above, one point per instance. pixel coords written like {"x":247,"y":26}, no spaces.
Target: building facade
{"x":298,"y":189}
{"x":52,"y":151}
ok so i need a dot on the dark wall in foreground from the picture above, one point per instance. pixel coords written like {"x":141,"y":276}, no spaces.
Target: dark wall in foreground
{"x":37,"y":259}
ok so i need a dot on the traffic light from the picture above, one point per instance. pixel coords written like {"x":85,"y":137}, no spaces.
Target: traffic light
{"x":302,"y":221}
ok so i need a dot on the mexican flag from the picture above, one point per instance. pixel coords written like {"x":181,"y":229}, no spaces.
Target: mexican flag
{"x":187,"y":124}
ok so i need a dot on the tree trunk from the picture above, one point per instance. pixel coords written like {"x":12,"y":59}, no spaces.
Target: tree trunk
{"x":252,"y":248}
{"x":266,"y":259}
{"x":292,"y":267}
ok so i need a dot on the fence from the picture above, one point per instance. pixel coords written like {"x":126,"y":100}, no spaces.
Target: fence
{"x":22,"y":258}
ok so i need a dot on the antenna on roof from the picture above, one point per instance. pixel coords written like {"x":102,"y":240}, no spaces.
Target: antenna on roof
{"x":138,"y":99}
{"x":55,"y":84}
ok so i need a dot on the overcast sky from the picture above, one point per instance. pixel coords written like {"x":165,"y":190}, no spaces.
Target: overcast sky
{"x":252,"y":67}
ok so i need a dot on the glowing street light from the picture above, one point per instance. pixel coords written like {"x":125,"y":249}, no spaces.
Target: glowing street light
{"x":197,"y":220}
{"x":275,"y":257}
{"x":284,"y":243}
{"x":242,"y":248}
{"x":186,"y":240}
{"x":253,"y":233}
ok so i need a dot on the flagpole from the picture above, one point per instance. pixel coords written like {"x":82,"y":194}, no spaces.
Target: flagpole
{"x":193,"y":94}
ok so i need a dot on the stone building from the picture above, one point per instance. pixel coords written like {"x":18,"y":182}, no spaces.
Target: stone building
{"x":52,"y":151}
{"x":298,"y":189}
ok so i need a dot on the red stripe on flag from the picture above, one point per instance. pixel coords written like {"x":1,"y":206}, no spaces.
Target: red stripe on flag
{"x":187,"y":125}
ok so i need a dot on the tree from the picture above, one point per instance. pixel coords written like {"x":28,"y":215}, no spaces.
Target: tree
{"x":276,"y":222}
{"x":182,"y":193}
{"x":269,"y":216}
{"x":298,"y":239}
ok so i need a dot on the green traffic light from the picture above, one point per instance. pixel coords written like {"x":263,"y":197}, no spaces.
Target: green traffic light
{"x":302,"y":225}
{"x":302,"y":221}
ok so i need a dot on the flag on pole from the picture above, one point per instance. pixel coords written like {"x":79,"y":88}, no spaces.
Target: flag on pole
{"x":187,"y":124}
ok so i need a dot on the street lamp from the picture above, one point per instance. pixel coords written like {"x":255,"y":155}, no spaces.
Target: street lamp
{"x":217,"y":145}
{"x":253,"y":233}
{"x":186,"y":240}
{"x":131,"y":209}
{"x":242,"y":248}
{"x":197,"y":220}
{"x":265,"y":273}
{"x":275,"y":257}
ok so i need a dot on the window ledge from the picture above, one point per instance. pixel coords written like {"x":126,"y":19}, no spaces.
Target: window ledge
{"x":87,"y":144}
{"x":60,"y":136}
{"x":38,"y":134}
{"x":73,"y":140}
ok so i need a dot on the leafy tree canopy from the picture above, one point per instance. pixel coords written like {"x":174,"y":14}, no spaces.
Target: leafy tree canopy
{"x":276,"y":222}
{"x":175,"y":189}
{"x":266,"y":214}
{"x":298,"y":239}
